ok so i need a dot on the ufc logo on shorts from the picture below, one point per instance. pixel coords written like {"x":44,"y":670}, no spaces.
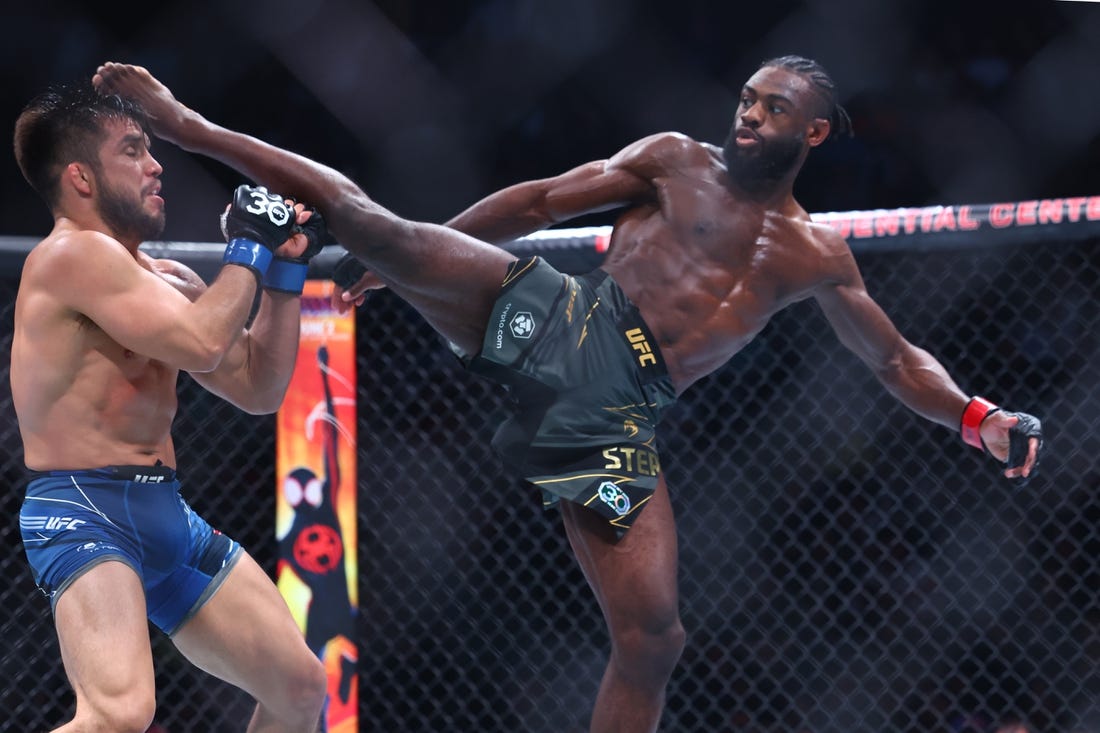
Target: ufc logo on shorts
{"x":142,"y":478}
{"x":639,"y":344}
{"x":49,"y":523}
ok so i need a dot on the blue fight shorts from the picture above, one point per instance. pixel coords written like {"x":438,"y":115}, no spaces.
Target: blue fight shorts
{"x":73,"y":520}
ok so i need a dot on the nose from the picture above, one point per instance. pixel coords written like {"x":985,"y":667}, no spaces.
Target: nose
{"x":752,"y":117}
{"x":154,"y":168}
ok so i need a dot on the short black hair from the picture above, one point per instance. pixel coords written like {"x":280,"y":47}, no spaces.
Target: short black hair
{"x":839,"y":121}
{"x":65,"y":124}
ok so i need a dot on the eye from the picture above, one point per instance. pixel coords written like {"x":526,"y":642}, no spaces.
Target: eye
{"x":314,"y":492}
{"x":293,"y":491}
{"x":776,"y":109}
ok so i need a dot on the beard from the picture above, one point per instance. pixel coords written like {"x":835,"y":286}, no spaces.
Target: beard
{"x":125,"y":216}
{"x":763,"y":165}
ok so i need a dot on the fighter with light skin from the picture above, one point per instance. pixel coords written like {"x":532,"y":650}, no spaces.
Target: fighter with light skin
{"x":102,"y":332}
{"x":711,"y":243}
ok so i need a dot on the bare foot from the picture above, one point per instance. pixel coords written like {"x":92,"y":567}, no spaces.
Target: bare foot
{"x":166,"y":114}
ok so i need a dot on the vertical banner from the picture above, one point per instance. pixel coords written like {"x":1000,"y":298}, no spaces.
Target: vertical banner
{"x":315,"y":509}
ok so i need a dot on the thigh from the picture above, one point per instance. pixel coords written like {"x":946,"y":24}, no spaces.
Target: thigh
{"x":244,"y":634}
{"x":451,"y":279}
{"x":104,"y":635}
{"x":634,"y":578}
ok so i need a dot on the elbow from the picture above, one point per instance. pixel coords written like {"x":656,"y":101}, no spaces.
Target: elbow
{"x":258,"y":408}
{"x":263,"y":400}
{"x":207,"y":354}
{"x":204,"y":360}
{"x":257,"y":403}
{"x":890,"y":371}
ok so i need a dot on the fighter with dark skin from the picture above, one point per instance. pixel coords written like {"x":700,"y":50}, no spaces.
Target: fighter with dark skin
{"x":710,"y":245}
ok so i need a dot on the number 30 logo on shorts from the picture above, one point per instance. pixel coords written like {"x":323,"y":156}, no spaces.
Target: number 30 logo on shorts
{"x":614,"y":497}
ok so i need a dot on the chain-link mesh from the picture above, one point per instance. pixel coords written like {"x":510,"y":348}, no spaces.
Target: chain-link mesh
{"x":845,"y":565}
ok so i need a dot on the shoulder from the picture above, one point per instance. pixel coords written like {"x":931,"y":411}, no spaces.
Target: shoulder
{"x":75,"y":252}
{"x":828,"y":238}
{"x":838,"y":264}
{"x":663,"y":150}
{"x":176,"y":274}
{"x":61,"y":274}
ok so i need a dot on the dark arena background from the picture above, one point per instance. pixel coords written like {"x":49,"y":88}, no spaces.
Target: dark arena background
{"x":846,"y":567}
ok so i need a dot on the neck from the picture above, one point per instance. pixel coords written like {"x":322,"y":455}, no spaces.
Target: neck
{"x":772,"y":194}
{"x":70,"y":224}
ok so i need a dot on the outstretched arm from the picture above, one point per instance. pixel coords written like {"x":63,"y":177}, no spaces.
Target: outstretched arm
{"x":627,"y":178}
{"x":913,"y":375}
{"x":528,"y":207}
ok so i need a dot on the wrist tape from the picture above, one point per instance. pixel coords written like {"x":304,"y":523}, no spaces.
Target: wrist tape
{"x":977,"y":409}
{"x":286,"y":276}
{"x":253,"y":255}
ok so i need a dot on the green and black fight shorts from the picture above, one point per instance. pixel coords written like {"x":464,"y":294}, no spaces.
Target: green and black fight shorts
{"x":588,"y":386}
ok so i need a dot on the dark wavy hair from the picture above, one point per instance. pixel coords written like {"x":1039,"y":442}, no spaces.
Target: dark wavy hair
{"x":839,"y":121}
{"x":65,"y":124}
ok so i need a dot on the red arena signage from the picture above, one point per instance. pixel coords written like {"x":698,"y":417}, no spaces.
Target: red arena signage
{"x":938,"y":219}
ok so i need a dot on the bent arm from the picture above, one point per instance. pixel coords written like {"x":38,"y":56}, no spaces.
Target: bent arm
{"x":145,"y":314}
{"x":255,"y":373}
{"x":528,"y":207}
{"x":256,"y":370}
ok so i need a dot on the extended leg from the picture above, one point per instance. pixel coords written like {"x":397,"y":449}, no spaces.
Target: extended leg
{"x":451,"y":279}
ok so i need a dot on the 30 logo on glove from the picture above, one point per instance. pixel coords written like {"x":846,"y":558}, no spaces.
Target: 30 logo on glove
{"x":255,"y":224}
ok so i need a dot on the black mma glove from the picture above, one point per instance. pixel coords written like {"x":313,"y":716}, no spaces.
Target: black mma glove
{"x":1027,"y":427}
{"x":348,"y":271}
{"x":288,"y":274}
{"x":256,"y":223}
{"x":1019,"y":435}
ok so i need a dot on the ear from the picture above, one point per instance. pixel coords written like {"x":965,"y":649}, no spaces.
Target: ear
{"x":818,"y":131}
{"x":79,"y":176}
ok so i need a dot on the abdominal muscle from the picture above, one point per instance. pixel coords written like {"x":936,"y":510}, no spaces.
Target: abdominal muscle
{"x":700,"y":314}
{"x":114,"y":408}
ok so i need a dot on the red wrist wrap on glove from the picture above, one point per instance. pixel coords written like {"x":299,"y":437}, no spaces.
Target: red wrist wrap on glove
{"x":976,"y":410}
